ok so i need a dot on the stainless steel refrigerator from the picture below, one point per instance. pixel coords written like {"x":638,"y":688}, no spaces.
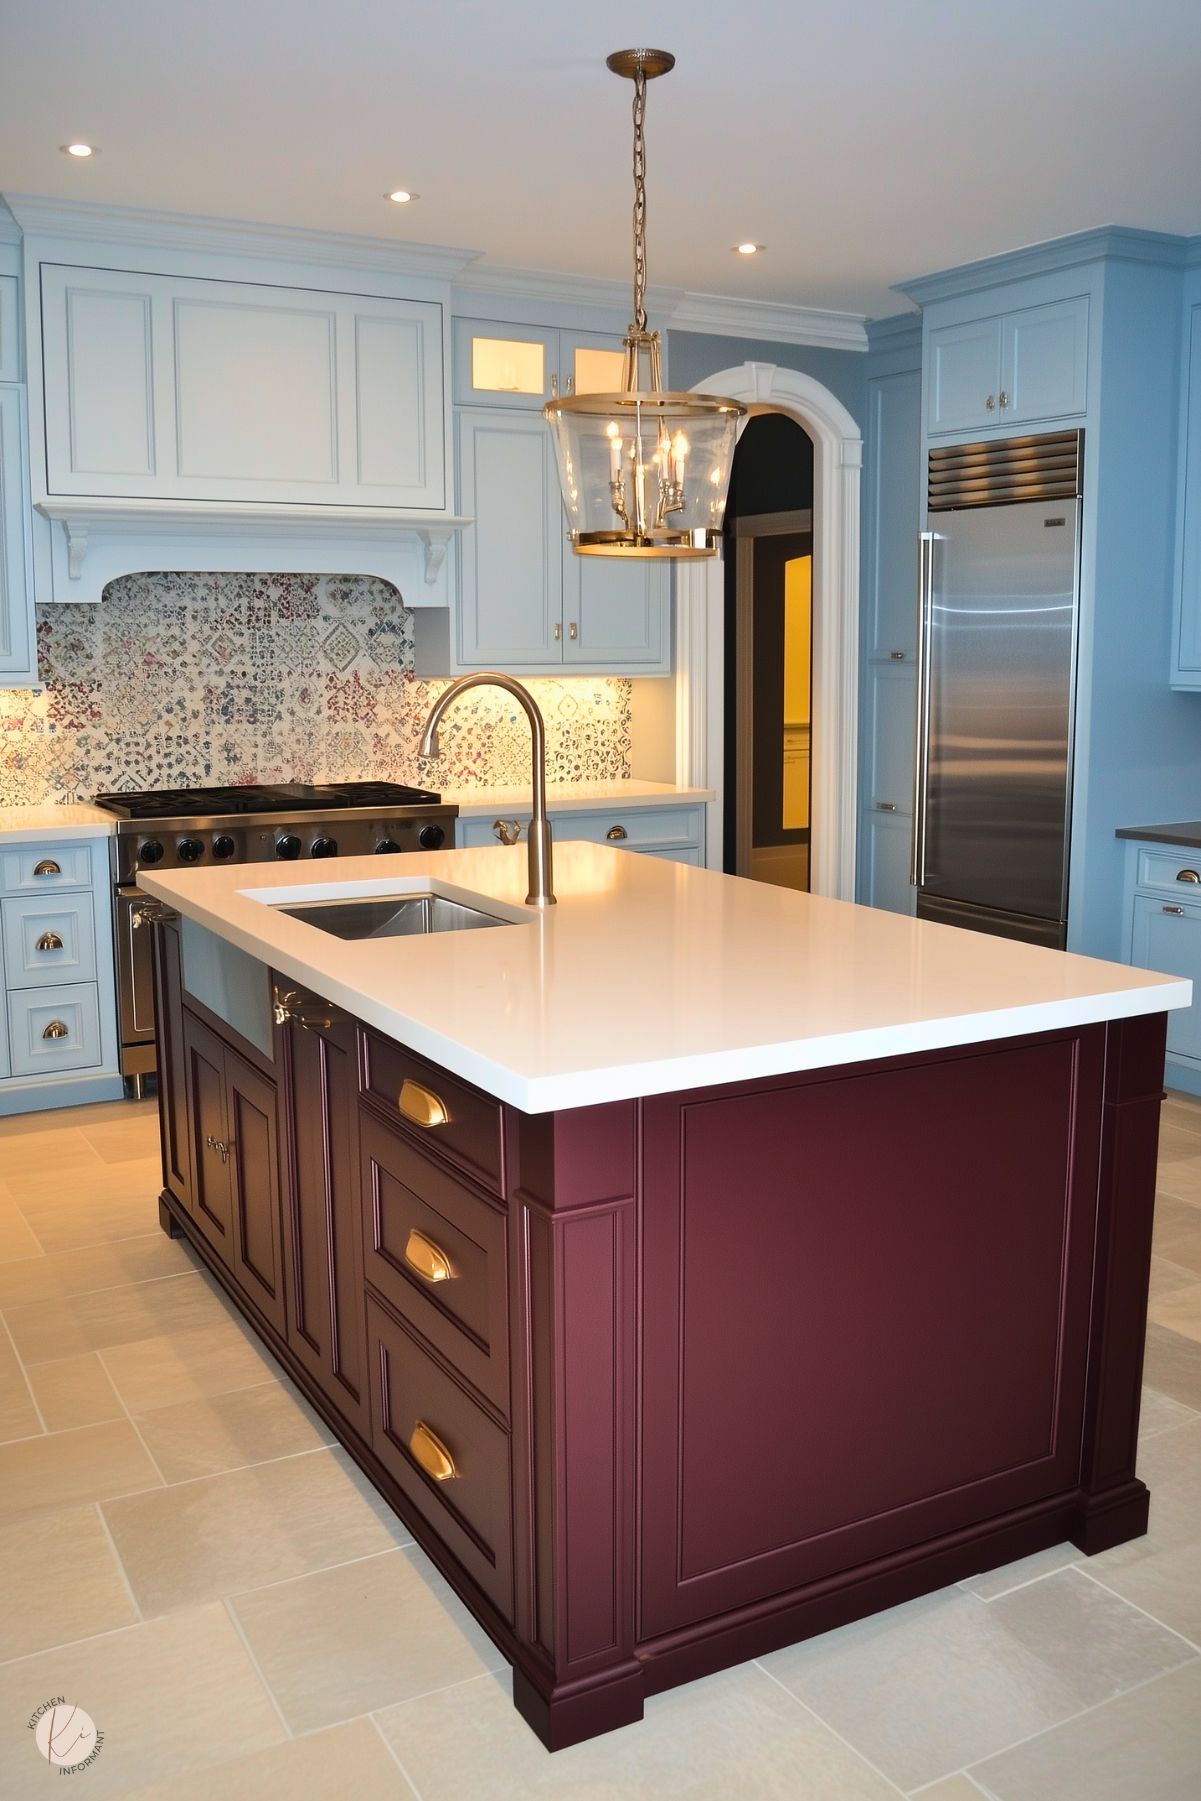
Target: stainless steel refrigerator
{"x":996,"y":686}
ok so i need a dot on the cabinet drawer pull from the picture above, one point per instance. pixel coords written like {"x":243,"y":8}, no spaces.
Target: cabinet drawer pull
{"x":215,"y":1144}
{"x":1002,"y":399}
{"x":558,"y":633}
{"x":49,"y":941}
{"x":427,"y":1258}
{"x":1188,"y":875}
{"x":991,"y":404}
{"x":886,"y":806}
{"x":1179,"y":910}
{"x":573,"y":631}
{"x":47,"y":866}
{"x":507,"y":830}
{"x":421,"y":1104}
{"x":898,"y":656}
{"x":616,"y":832}
{"x":432,"y":1454}
{"x":56,"y":1029}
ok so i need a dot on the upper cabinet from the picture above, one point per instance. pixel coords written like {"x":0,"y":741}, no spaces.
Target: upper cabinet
{"x":172,"y":388}
{"x":10,"y":355}
{"x":525,"y":366}
{"x":1015,"y":368}
{"x":18,"y":662}
{"x":1186,"y":636}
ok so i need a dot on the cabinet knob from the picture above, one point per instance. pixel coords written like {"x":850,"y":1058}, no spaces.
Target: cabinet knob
{"x":886,"y":806}
{"x":1002,"y":399}
{"x":1188,"y":875}
{"x":432,"y":1454}
{"x":558,"y":633}
{"x":422,"y":1105}
{"x":573,"y":631}
{"x":991,"y":404}
{"x":898,"y":656}
{"x":1178,"y":910}
{"x":56,"y":1029}
{"x":615,"y":833}
{"x":47,"y":866}
{"x":49,"y":941}
{"x":427,"y":1258}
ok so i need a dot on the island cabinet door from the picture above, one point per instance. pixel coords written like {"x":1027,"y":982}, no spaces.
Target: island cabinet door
{"x":865,"y":1313}
{"x":204,"y":1078}
{"x":172,"y":1079}
{"x":322,"y":1243}
{"x":253,"y":1152}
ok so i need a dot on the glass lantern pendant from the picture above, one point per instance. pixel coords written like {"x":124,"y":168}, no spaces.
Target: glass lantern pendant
{"x":644,"y":472}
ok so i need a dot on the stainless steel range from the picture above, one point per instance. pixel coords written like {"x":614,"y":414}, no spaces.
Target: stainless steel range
{"x":180,"y":828}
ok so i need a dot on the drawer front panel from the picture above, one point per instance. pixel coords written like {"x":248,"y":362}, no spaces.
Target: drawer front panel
{"x":472,"y":1511}
{"x":38,"y":1046}
{"x":1177,"y":870}
{"x":469,"y":1136}
{"x":40,"y":868}
{"x":414,"y":1206}
{"x":1167,"y":937}
{"x":45,"y":942}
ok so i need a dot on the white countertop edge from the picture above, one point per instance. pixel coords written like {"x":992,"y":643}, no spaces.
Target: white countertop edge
{"x":54,"y":824}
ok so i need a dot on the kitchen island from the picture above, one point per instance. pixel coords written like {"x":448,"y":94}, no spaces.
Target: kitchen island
{"x":695,"y":1265}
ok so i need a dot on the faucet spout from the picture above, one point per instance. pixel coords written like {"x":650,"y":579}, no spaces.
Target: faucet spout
{"x":541,"y":891}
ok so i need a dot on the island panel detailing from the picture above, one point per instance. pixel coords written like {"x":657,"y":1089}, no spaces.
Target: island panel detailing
{"x":661,"y":1385}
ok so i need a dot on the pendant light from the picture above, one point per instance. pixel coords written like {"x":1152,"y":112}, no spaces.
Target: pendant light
{"x":644,"y":472}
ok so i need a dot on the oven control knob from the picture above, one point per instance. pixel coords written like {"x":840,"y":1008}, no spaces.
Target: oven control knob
{"x":224,"y":846}
{"x":150,"y":851}
{"x":430,"y":837}
{"x":287,"y":845}
{"x":386,"y":846}
{"x":324,"y":847}
{"x":189,"y":850}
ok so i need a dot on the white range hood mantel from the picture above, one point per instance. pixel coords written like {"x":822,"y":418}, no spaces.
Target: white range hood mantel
{"x":96,"y":540}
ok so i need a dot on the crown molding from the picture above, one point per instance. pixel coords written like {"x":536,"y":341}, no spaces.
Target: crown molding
{"x":1192,"y":253}
{"x":233,"y":237}
{"x":726,"y":316}
{"x":900,"y":331}
{"x":1107,"y":243}
{"x":512,"y":283}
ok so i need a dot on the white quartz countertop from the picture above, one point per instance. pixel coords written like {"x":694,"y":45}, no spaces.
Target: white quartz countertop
{"x":651,"y":976}
{"x":61,"y":822}
{"x":573,"y":797}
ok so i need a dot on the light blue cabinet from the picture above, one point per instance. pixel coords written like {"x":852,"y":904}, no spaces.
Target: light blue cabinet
{"x":885,"y":854}
{"x":676,"y":833}
{"x":1186,"y":636}
{"x":18,"y":655}
{"x":1163,"y":932}
{"x":965,"y":375}
{"x":521,"y":367}
{"x":1008,"y":369}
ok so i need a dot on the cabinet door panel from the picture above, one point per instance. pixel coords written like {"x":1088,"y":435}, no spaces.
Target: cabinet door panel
{"x":254,"y":1171}
{"x":17,"y":654}
{"x":1186,"y":669}
{"x":204,"y":1061}
{"x":10,"y":334}
{"x":617,"y":614}
{"x":172,"y":1077}
{"x":1167,"y":937}
{"x":887,"y":851}
{"x":893,"y":497}
{"x":964,"y":371}
{"x":891,"y":726}
{"x":512,"y":595}
{"x":590,"y":363}
{"x":101,"y":382}
{"x":499,"y":365}
{"x":398,"y":393}
{"x":1045,"y":361}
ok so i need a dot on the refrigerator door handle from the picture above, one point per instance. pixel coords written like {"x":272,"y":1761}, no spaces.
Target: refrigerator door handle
{"x":921,"y":757}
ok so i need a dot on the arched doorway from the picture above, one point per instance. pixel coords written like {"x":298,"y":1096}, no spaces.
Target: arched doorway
{"x":700,"y":646}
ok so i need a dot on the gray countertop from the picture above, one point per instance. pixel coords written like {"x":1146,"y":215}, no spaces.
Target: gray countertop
{"x":1187,"y":833}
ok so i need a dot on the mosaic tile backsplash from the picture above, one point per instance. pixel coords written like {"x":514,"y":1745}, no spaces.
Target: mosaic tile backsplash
{"x":201,"y":679}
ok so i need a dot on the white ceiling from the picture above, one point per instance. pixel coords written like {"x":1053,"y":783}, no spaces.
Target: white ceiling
{"x":862,"y":143}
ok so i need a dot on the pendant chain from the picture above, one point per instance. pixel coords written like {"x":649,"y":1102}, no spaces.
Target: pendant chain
{"x":639,"y":201}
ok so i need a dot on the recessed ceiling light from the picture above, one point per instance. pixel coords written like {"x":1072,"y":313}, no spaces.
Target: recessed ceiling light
{"x":749,"y":249}
{"x":78,"y":149}
{"x":402,"y":196}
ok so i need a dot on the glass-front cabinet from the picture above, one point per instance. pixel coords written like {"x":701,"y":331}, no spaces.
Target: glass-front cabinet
{"x":524,"y":366}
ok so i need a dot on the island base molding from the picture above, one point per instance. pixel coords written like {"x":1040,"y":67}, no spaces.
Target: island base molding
{"x":717,"y":1370}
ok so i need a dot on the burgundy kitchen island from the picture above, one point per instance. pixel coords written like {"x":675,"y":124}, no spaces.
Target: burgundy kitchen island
{"x":664,"y":1372}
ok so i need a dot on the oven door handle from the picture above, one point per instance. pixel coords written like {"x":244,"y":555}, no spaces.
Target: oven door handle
{"x":150,"y":912}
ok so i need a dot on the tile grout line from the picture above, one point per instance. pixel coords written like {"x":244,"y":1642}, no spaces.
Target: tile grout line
{"x":1015,"y":1589}
{"x":120,"y":1561}
{"x":915,"y":1794}
{"x":45,"y":1432}
{"x":347,"y":1563}
{"x":239,"y":1469}
{"x":135,"y":1428}
{"x":1154,"y":1618}
{"x":822,"y":1721}
{"x":393,"y":1754}
{"x":27,"y":1438}
{"x":82,"y":1294}
{"x":231,"y":1615}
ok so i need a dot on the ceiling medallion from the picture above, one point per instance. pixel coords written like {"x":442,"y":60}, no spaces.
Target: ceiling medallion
{"x":644,"y":472}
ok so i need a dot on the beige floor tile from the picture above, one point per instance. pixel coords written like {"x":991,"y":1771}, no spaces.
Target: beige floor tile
{"x":1145,"y":1746}
{"x":64,"y":1326}
{"x":88,"y":1464}
{"x":60,"y":1581}
{"x":1172,"y":1366}
{"x":993,"y":1583}
{"x":1173,"y":1218}
{"x":74,"y":1391}
{"x":954,"y":1788}
{"x":120,"y":1140}
{"x":253,"y":1425}
{"x":733,"y":1735}
{"x":1179,"y":1139}
{"x":98,"y":1266}
{"x":18,"y":1415}
{"x":1180,"y":1176}
{"x":1162,"y":1570}
{"x":177,"y":1367}
{"x":937,"y":1684}
{"x":1159,"y":1413}
{"x":109,"y":1208}
{"x":345,"y":1641}
{"x":1179,"y":1311}
{"x":1167,"y":1277}
{"x":30,"y":1157}
{"x":203,"y":1539}
{"x":350,"y":1760}
{"x":170,"y":1696}
{"x":1184,"y":1248}
{"x":17,"y":1240}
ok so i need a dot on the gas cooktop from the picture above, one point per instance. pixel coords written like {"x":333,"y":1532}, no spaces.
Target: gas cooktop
{"x":284,"y":797}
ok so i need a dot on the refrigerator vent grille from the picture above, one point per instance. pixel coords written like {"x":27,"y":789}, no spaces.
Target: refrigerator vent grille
{"x":1006,"y":471}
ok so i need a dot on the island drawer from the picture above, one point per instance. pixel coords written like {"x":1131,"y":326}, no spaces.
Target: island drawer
{"x":1176,"y":869}
{"x":435,"y":1250}
{"x":448,"y":1457}
{"x":448,"y":1116}
{"x":38,"y":868}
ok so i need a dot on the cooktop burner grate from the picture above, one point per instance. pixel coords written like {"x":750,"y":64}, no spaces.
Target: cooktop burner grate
{"x":282,"y":797}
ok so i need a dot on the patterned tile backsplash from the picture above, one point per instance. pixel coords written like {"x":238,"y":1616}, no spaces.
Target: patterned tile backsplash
{"x":201,"y":679}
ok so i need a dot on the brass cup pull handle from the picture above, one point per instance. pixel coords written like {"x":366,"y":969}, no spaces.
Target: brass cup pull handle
{"x":422,"y":1105}
{"x":427,"y":1258}
{"x":1188,"y":875}
{"x":57,"y":1029}
{"x":47,"y":866}
{"x":431,"y":1454}
{"x":49,"y":941}
{"x":616,"y":833}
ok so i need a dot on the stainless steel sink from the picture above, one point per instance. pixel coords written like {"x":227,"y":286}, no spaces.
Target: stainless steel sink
{"x":393,"y":916}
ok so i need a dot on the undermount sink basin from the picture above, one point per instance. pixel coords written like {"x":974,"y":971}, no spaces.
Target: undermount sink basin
{"x":392,"y":916}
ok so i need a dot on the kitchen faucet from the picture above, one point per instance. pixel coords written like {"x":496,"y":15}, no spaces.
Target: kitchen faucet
{"x":541,"y":893}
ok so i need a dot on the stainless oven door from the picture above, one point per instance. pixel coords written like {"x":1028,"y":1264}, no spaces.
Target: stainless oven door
{"x":135,"y":984}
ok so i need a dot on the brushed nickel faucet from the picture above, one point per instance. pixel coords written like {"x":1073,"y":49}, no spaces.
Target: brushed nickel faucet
{"x":541,"y":892}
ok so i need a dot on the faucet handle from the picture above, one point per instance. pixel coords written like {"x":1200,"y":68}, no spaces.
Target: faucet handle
{"x":507,"y":830}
